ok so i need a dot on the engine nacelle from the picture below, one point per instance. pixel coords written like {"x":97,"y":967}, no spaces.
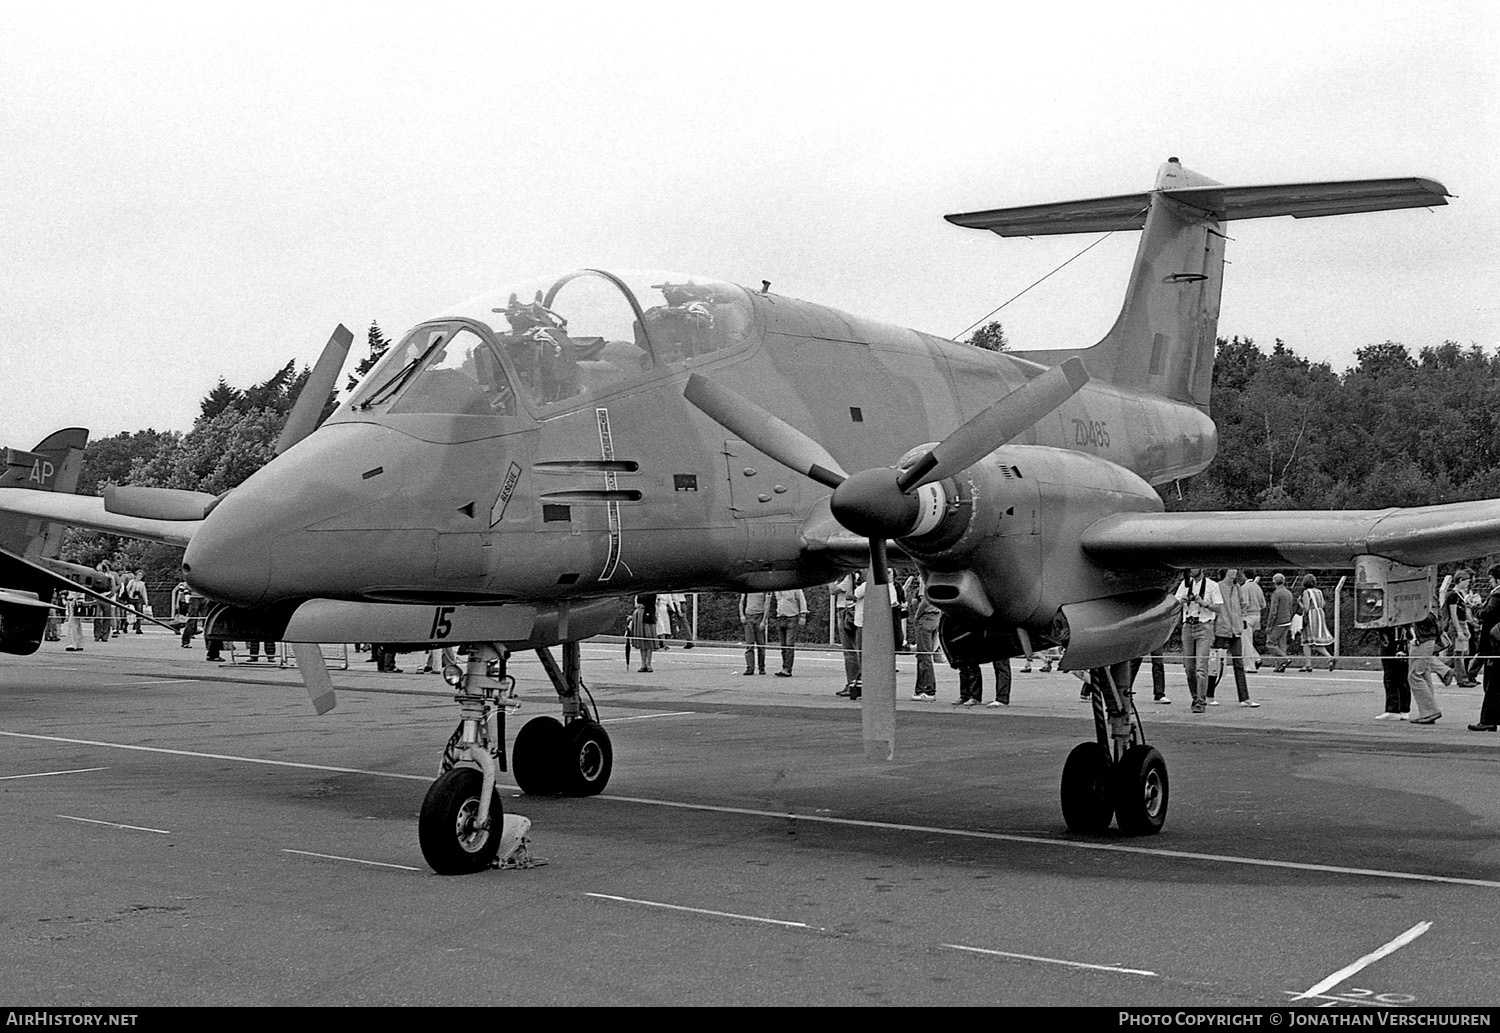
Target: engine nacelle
{"x":1009,"y":542}
{"x":1100,"y":632}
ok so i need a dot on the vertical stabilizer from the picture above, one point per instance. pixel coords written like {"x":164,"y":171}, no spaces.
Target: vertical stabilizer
{"x":1163,"y":340}
{"x":53,"y":465}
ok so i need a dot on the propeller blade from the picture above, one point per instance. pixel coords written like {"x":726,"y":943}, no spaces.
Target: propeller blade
{"x":878,"y":660}
{"x":314,"y":671}
{"x":772,"y":435}
{"x":997,"y":424}
{"x":303,"y":419}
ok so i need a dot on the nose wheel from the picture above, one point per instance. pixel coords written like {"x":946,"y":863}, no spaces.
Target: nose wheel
{"x":455,"y":839}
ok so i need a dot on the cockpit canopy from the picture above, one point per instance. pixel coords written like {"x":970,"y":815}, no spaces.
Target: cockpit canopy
{"x":556,"y":342}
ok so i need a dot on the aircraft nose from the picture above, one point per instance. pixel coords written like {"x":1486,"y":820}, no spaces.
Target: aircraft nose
{"x":338,"y":468}
{"x":229,"y":557}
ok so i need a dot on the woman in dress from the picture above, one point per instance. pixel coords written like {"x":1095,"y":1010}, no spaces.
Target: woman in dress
{"x":1315,"y":633}
{"x":644,"y":620}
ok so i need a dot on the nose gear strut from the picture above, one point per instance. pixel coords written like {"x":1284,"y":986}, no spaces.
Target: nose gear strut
{"x":462,"y":823}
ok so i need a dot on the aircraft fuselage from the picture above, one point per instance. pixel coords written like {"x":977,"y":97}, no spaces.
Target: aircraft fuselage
{"x":628,"y":488}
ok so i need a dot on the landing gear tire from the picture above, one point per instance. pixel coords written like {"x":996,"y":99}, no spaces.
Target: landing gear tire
{"x":536,"y":758}
{"x":1087,"y":804}
{"x":1141,"y":791}
{"x":587,"y":760}
{"x":450,"y":843}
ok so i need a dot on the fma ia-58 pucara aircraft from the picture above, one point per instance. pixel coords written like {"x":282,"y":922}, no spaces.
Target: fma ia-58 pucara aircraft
{"x":516,"y":464}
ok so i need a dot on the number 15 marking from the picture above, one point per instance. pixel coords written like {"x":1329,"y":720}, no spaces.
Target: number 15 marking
{"x":442,"y":627}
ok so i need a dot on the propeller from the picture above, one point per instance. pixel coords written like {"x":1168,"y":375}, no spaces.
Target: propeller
{"x":771,"y":434}
{"x":885,"y":502}
{"x":303,"y":419}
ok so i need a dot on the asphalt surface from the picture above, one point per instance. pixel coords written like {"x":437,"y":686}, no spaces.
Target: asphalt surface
{"x":180,"y":833}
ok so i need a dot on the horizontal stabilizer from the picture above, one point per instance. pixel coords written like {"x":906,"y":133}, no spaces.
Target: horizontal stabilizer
{"x":1096,"y":215}
{"x":1225,"y":203}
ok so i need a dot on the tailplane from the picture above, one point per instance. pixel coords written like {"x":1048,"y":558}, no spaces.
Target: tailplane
{"x":1163,"y":340}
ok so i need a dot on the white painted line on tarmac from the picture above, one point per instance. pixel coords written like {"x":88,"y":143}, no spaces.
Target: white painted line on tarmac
{"x":704,"y":911}
{"x":648,"y":717}
{"x":1051,"y":961}
{"x":1369,"y":959}
{"x":1004,"y":837}
{"x":999,"y":837}
{"x":218,"y":756}
{"x":153,"y":681}
{"x":353,"y":860}
{"x":116,"y":825}
{"x":44,"y":774}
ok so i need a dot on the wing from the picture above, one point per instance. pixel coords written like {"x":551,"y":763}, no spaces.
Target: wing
{"x":88,"y":511}
{"x":1302,"y":538}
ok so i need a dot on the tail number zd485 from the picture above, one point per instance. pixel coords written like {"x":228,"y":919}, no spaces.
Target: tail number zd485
{"x":1091,"y":432}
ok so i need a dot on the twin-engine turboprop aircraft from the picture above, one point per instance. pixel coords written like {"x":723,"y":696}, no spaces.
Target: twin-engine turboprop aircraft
{"x":514,"y":465}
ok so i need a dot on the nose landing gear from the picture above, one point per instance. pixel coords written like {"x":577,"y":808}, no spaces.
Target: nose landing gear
{"x":1116,"y":776}
{"x":462,"y":818}
{"x":461,"y":821}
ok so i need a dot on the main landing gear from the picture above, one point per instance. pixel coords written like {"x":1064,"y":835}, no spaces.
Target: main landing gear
{"x":462,"y":818}
{"x":1116,"y":776}
{"x":572,"y":757}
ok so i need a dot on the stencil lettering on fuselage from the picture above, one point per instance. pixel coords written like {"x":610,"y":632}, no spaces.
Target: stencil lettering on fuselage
{"x":512,"y":478}
{"x":1091,"y":432}
{"x":611,"y":482}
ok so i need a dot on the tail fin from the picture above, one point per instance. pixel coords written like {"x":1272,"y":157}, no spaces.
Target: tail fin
{"x":1163,"y":340}
{"x":53,"y":465}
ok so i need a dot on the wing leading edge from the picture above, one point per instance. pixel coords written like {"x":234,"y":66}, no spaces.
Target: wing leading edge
{"x":1301,"y":538}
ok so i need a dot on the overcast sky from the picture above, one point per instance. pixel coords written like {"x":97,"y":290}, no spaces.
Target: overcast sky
{"x":187,"y":195}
